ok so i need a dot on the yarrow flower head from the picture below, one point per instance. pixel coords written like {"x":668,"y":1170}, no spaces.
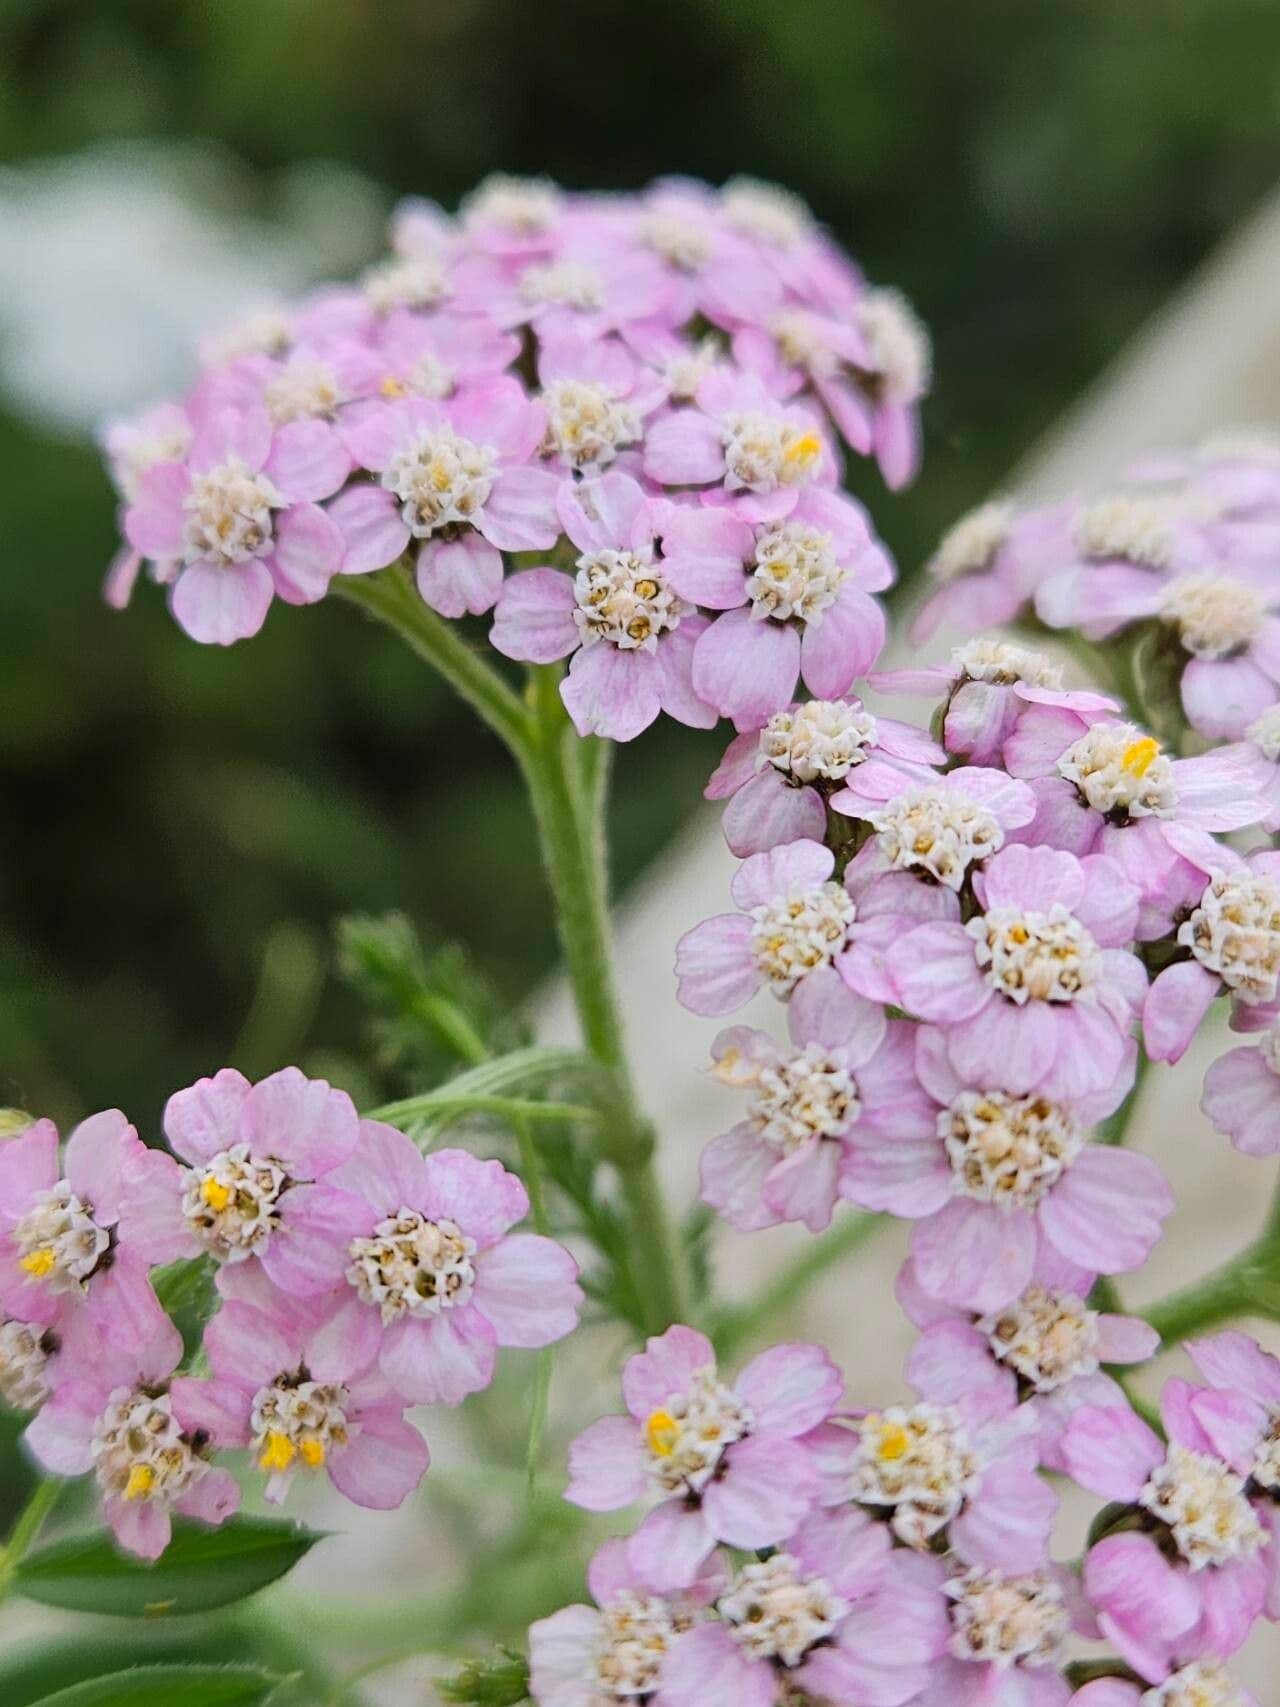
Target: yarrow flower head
{"x":253,"y":1182}
{"x":124,"y":1420}
{"x":727,"y":1463}
{"x":434,"y":1279}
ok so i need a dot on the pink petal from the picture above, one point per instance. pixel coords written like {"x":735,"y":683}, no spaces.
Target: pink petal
{"x":975,"y":1254}
{"x":1232,"y":1425}
{"x":127,"y":1313}
{"x":1111,"y":1452}
{"x":675,"y":675}
{"x":1008,"y":1046}
{"x":346,"y":1341}
{"x":665,"y":1369}
{"x":1242,"y":1098}
{"x":308,"y":461}
{"x":767,"y":1488}
{"x":707,"y":1665}
{"x":953,"y":1359}
{"x":1006,"y":1525}
{"x":774,"y":872}
{"x":684,"y":448}
{"x":308,"y":1253}
{"x":600,"y":514}
{"x":1126,"y":1339}
{"x":790,"y":1388}
{"x":386,"y":1169}
{"x":227,"y":433}
{"x":908,"y":1177}
{"x":1231,"y":1602}
{"x":804,"y":1185}
{"x":520,"y":512}
{"x":745,"y":668}
{"x":671,"y":1546}
{"x":382,"y":1465}
{"x":212,"y":1499}
{"x":219,"y":606}
{"x":308,"y":554}
{"x":440,"y":1360}
{"x":247,"y":1346}
{"x":205,"y":1118}
{"x":61,"y":1435}
{"x":896,"y":427}
{"x":220,"y":1408}
{"x":607,"y":1466}
{"x":1223,"y":696}
{"x":1107,"y":1210}
{"x":1144,"y":1602}
{"x":937,"y":974}
{"x":527,"y":1288}
{"x":303,"y":1123}
{"x":1233,"y":1359}
{"x":30,"y":1164}
{"x":704,"y":557}
{"x":731,"y":1175}
{"x":457,"y":576}
{"x":140,"y":1526}
{"x":151,"y":1218}
{"x":533,"y":619}
{"x":155,"y":524}
{"x":482,"y":1197}
{"x":715,"y":966}
{"x":372,"y":529}
{"x":844,"y":645}
{"x":611,"y":692}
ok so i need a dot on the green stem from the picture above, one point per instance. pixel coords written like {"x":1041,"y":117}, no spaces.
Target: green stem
{"x":793,"y":1280}
{"x":26,"y":1530}
{"x":567,"y":793}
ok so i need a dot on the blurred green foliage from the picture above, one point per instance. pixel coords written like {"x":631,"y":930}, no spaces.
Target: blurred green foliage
{"x":1036,"y":176}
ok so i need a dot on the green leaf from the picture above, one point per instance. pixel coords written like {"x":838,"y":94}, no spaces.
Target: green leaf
{"x":500,"y":1682}
{"x":162,"y":1686}
{"x":201,"y":1569}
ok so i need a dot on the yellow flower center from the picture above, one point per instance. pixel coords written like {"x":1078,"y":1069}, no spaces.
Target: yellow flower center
{"x":215,"y":1194}
{"x":393,"y":387}
{"x":313,"y":1452}
{"x":892,"y":1442}
{"x":278,"y":1452}
{"x":662,"y":1432}
{"x":39,"y":1263}
{"x":141,"y":1480}
{"x":1140,"y":755}
{"x":804,"y":451}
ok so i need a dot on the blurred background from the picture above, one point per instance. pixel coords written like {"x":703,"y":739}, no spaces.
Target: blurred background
{"x":180,"y":826}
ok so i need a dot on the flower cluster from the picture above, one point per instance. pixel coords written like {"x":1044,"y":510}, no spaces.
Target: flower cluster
{"x":651,"y":393}
{"x":355,"y":1277}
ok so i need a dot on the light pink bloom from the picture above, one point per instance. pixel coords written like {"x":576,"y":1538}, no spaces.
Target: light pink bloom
{"x":631,"y":638}
{"x":435,"y":1281}
{"x":987,"y":688}
{"x":993,"y":1179}
{"x":300,"y":1402}
{"x":617,"y":1650}
{"x":37,"y":1357}
{"x":751,"y":454}
{"x":1241,"y":1095}
{"x":833,"y":1615}
{"x":1046,"y":1349}
{"x":1201,"y":1681}
{"x":793,"y":597}
{"x":794,"y":919}
{"x":134,"y":444}
{"x":514,"y":217}
{"x":1263,"y":740}
{"x":1034,"y":993}
{"x":1008,"y":1634}
{"x":247,"y":1192}
{"x":959,"y":1477}
{"x":123,"y":1420}
{"x":598,"y":399}
{"x":439,"y":356}
{"x":1110,"y":789}
{"x":1233,"y":939}
{"x":63,"y":1249}
{"x":986,"y":568}
{"x":729,"y":1463}
{"x":711,"y":268}
{"x":457,"y":477}
{"x":1110,"y":560}
{"x":779,"y":779}
{"x":236,"y":523}
{"x":929,"y":840}
{"x":847,"y":1070}
{"x":1197,"y":1576}
{"x":786,"y":241}
{"x":583,"y":290}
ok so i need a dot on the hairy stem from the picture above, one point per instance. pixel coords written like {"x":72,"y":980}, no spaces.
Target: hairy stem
{"x":26,"y":1530}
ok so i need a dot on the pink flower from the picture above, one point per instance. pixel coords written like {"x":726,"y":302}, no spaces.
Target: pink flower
{"x":598,"y":398}
{"x":930,"y":839}
{"x":832,"y":1615}
{"x":513,"y":217}
{"x":285,"y":1387}
{"x":583,"y":1655}
{"x":711,"y":268}
{"x":37,"y":1357}
{"x":729,"y":1464}
{"x":753,"y":455}
{"x":1008,"y":1634}
{"x":1034,"y":993}
{"x":1044,"y":1350}
{"x":1194,"y":1580}
{"x":1263,"y":738}
{"x":794,"y":919}
{"x":987,"y":688}
{"x":132,"y":445}
{"x":236,"y":522}
{"x":63,"y":1249}
{"x":122,"y":1419}
{"x":779,"y":779}
{"x":1111,"y":789}
{"x":1233,"y":938}
{"x":793,"y":597}
{"x":435,"y":1282}
{"x":456,"y":477}
{"x":959,"y":1476}
{"x":986,"y":568}
{"x":438,"y":357}
{"x":846,"y":1071}
{"x":583,"y":290}
{"x":1242,"y":1095}
{"x":631,"y":638}
{"x":248,"y":1191}
{"x":993,"y":1179}
{"x":1188,"y":1686}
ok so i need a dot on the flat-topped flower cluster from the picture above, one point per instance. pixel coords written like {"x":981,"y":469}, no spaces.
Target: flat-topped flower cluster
{"x":646,"y":400}
{"x":618,"y":426}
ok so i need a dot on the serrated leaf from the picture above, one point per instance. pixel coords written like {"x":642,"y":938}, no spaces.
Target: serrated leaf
{"x":200,"y":1569}
{"x":163,"y":1686}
